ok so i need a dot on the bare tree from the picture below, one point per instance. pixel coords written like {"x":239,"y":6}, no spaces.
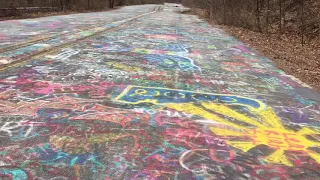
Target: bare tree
{"x":111,"y":3}
{"x":13,"y":4}
{"x":30,"y":2}
{"x":210,"y":4}
{"x":66,"y":4}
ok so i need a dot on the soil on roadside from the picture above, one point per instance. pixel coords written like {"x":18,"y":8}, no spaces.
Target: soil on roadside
{"x":286,"y":51}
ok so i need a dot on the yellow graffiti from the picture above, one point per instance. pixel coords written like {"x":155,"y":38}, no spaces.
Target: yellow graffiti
{"x":74,"y":145}
{"x":256,"y":123}
{"x":279,"y":157}
{"x":153,"y":51}
{"x":212,"y":47}
{"x":191,"y":109}
{"x":263,"y":128}
{"x":142,"y":51}
{"x":124,"y":67}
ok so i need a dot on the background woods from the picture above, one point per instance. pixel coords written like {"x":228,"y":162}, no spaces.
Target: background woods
{"x":269,"y":16}
{"x":13,"y":7}
{"x":37,"y":8}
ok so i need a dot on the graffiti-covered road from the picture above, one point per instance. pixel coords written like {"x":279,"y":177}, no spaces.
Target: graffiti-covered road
{"x":162,"y":96}
{"x":20,"y":39}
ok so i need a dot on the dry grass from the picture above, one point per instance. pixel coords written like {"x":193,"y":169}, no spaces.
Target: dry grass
{"x":203,"y":14}
{"x":286,"y":51}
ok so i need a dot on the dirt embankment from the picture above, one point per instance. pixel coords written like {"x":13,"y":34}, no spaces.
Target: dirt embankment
{"x":286,"y":51}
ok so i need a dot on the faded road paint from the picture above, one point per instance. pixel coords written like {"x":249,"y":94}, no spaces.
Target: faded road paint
{"x":165,"y":96}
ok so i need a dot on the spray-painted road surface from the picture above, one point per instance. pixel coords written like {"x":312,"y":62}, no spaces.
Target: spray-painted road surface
{"x":164,"y":96}
{"x":20,"y":39}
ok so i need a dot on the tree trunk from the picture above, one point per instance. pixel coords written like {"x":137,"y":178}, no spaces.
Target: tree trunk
{"x":30,"y":2}
{"x":224,"y":12}
{"x":302,"y":23}
{"x":211,"y":9}
{"x":258,"y":16}
{"x":111,"y":4}
{"x":280,"y":16}
{"x":268,"y":14}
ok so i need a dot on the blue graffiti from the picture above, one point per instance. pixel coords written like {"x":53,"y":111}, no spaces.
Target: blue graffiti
{"x":14,"y":173}
{"x":137,"y":94}
{"x":113,"y":47}
{"x":173,"y":47}
{"x":49,"y":155}
{"x":170,"y":62}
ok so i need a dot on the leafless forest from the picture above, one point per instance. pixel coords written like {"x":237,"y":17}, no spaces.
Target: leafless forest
{"x":85,"y":4}
{"x":268,"y":16}
{"x":17,"y":9}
